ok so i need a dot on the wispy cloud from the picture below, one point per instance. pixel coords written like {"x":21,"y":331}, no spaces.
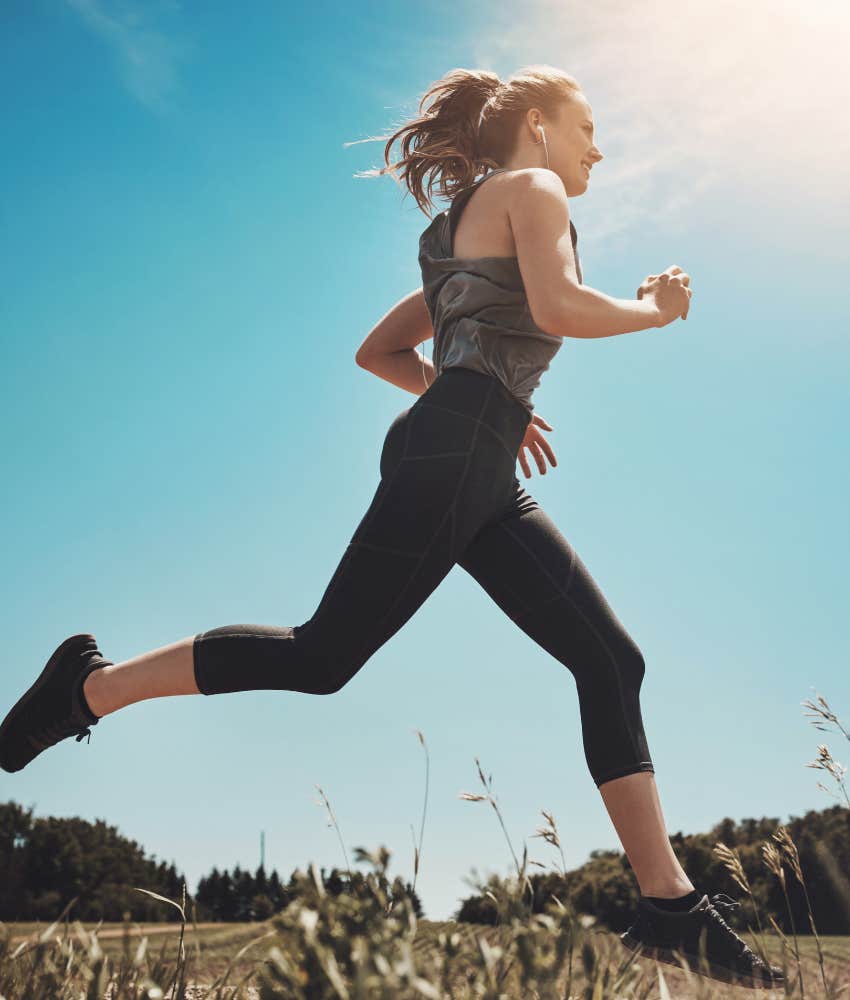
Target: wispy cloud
{"x":717,"y":97}
{"x":146,"y":54}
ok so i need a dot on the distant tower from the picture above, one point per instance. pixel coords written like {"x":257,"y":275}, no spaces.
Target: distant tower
{"x":263,"y":849}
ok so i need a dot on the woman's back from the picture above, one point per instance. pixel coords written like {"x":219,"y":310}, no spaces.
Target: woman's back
{"x":478,"y":306}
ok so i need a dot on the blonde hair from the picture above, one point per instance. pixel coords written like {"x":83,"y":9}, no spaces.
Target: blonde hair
{"x":469,"y":125}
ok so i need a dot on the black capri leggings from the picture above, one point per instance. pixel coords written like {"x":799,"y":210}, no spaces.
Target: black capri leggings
{"x":448,"y":494}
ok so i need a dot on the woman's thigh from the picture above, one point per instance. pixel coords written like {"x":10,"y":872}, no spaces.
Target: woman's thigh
{"x":437,"y":488}
{"x":444,"y":472}
{"x":537,"y":578}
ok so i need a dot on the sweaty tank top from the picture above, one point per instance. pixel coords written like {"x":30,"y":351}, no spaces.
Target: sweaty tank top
{"x":479,"y":310}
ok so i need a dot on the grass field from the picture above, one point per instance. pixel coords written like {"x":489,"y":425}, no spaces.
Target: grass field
{"x":210,"y":949}
{"x":367,"y":942}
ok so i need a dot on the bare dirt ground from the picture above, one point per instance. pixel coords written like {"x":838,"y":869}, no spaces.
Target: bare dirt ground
{"x":136,"y":930}
{"x":194,"y":992}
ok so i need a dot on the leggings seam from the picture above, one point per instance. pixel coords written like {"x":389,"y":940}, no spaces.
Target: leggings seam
{"x":590,"y":625}
{"x":416,"y":570}
{"x":504,"y":526}
{"x":621,"y":772}
{"x":477,"y":420}
{"x":557,"y":596}
{"x":246,"y":635}
{"x":525,"y":608}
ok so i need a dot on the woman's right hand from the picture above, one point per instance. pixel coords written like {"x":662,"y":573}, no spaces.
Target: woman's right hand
{"x":669,"y":292}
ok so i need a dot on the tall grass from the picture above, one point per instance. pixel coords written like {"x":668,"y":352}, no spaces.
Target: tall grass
{"x":369,"y":945}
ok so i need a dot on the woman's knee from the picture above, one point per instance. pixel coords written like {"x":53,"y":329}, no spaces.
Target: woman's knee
{"x":623,"y":668}
{"x":622,"y":659}
{"x":326,"y":670}
{"x":332,"y":679}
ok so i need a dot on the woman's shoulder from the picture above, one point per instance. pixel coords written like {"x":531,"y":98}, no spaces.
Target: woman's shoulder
{"x":539,"y":182}
{"x":530,"y":178}
{"x":542,"y":184}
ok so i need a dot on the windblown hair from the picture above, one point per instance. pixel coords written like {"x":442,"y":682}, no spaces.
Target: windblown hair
{"x":470,"y":125}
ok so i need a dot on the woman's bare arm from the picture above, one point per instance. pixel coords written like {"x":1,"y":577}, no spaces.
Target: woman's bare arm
{"x":389,"y":350}
{"x":540,"y":221}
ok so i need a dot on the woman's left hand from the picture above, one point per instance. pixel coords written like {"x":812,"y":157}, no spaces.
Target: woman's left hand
{"x":537,"y":445}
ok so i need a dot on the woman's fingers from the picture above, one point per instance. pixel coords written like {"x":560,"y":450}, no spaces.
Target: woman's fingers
{"x":537,"y":449}
{"x":675,"y":271}
{"x":671,"y":277}
{"x":672,"y":271}
{"x":537,"y":445}
{"x":544,"y":444}
{"x":534,"y":448}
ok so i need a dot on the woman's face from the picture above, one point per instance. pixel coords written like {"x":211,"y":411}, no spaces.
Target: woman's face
{"x":571,"y":148}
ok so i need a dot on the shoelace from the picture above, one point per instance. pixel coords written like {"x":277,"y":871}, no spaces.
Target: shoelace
{"x":722,"y":901}
{"x":52,"y":734}
{"x":717,"y":900}
{"x":730,"y":903}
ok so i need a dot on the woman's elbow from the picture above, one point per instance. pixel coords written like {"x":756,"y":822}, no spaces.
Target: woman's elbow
{"x":556,"y":324}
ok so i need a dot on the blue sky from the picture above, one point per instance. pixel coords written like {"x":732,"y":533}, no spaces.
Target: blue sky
{"x":190,"y":264}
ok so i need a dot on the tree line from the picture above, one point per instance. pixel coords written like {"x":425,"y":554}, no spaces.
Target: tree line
{"x":605,"y":885}
{"x":46,"y":861}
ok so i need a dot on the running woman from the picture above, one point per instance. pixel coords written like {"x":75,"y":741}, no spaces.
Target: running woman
{"x":501,"y":288}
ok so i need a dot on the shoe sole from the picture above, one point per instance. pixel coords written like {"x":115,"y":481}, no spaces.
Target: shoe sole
{"x":42,"y":678}
{"x":717,"y":971}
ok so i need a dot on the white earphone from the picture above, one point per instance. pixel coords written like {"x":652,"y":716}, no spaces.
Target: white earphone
{"x":543,"y":140}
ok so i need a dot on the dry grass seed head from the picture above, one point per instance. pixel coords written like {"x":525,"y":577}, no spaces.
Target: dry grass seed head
{"x":732,"y":862}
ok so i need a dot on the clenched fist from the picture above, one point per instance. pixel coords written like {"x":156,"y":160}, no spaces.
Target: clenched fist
{"x":670,"y":292}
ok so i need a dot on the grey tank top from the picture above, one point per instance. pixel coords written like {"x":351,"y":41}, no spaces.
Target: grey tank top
{"x":479,"y":310}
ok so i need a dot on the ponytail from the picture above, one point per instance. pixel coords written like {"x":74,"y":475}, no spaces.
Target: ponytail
{"x":469,"y":126}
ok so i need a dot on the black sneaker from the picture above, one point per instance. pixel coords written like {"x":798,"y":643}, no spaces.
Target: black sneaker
{"x":53,"y":707}
{"x":656,"y":933}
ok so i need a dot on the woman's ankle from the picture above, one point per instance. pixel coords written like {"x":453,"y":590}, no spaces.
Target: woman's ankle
{"x":668,"y":890}
{"x":93,"y":693}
